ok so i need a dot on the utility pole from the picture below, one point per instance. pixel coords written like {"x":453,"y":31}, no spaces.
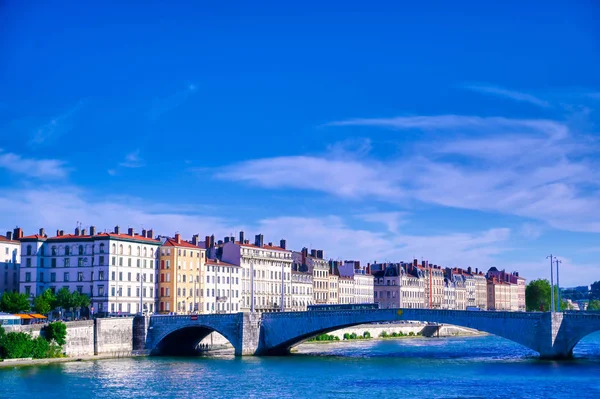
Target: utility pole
{"x":551,"y":282}
{"x":252,"y":287}
{"x":558,"y":283}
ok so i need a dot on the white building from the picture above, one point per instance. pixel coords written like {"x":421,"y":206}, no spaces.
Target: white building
{"x":10,"y":260}
{"x":363,"y":281}
{"x":302,"y":290}
{"x":117,"y":271}
{"x":319,"y":268}
{"x":265,"y":268}
{"x":346,"y":290}
{"x":222,"y":288}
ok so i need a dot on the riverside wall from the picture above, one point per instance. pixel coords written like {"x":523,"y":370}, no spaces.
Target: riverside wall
{"x":113,"y":337}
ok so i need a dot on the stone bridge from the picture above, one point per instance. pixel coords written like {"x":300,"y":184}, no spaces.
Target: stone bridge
{"x":552,"y":335}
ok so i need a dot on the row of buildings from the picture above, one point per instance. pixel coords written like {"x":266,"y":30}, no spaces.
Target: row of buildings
{"x":129,"y":272}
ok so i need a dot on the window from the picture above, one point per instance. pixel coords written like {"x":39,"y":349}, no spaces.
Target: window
{"x":138,"y":263}
{"x":81,"y":250}
{"x":120,"y":261}
{"x":29,"y":250}
{"x":101,"y":248}
{"x":112,"y":291}
{"x":128,"y":291}
{"x":80,"y":289}
{"x":27,"y":290}
{"x":114,"y":261}
{"x":80,"y":276}
{"x":42,"y":277}
{"x":67,"y":250}
{"x":113,"y":276}
{"x":101,"y":260}
{"x":28,"y":262}
{"x":66,"y":276}
{"x":67,"y":262}
{"x":80,"y":262}
{"x":128,"y":276}
{"x":52,"y":277}
{"x":101,"y":275}
{"x":100,"y":290}
{"x":28,"y":277}
{"x":42,"y":262}
{"x":129,"y":262}
{"x":120,"y":276}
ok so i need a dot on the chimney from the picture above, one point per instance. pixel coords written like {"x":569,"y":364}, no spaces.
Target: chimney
{"x":212,"y":241}
{"x":232,"y":239}
{"x":18,"y":233}
{"x":368,"y":268}
{"x":117,"y":230}
{"x":320,"y":254}
{"x":61,"y":233}
{"x":313,"y":253}
{"x":207,"y":242}
{"x":130,"y":231}
{"x":259,"y":240}
{"x":150,"y":233}
{"x":305,"y":251}
{"x":242,"y":241}
{"x":246,"y":241}
{"x":226,"y":240}
{"x":9,"y":235}
{"x":57,"y":233}
{"x":195,"y":239}
{"x":42,"y":233}
{"x":178,"y":238}
{"x":270,"y":244}
{"x":143,"y":232}
{"x":82,"y":232}
{"x":477,"y":270}
{"x":92,"y":230}
{"x":415,"y":262}
{"x":282,"y":244}
{"x":220,"y":242}
{"x":77,"y":231}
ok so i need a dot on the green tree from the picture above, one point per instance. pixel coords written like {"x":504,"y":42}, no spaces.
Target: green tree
{"x":64,"y":298}
{"x":57,"y":332}
{"x":16,"y":345}
{"x":80,"y":300}
{"x":594,"y":305}
{"x":45,"y":302}
{"x":14,"y":302}
{"x":595,"y":290}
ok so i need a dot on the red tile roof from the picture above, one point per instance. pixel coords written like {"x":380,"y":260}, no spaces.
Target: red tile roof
{"x":264,"y":247}
{"x":5,"y":239}
{"x":128,"y":237}
{"x":182,"y":243}
{"x":35,"y":237}
{"x":213,"y":262}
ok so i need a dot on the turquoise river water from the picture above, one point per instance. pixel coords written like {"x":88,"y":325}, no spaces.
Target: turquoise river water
{"x":470,"y":367}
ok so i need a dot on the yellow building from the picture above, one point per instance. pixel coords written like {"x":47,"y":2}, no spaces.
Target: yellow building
{"x":181,"y":280}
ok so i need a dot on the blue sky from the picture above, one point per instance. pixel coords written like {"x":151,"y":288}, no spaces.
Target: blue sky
{"x":467,"y":135}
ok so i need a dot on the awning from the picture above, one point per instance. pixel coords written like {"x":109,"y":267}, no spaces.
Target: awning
{"x":38,"y":316}
{"x":24,"y":316}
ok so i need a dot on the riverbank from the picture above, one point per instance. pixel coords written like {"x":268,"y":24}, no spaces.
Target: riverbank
{"x":42,"y":362}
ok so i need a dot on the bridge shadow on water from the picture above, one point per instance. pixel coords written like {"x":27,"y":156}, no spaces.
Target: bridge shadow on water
{"x":186,"y":342}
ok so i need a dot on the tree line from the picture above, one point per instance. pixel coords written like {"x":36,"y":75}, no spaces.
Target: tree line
{"x":15,"y":302}
{"x":538,"y":296}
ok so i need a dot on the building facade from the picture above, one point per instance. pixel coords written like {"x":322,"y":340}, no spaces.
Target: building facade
{"x":222,"y":293}
{"x":10,"y":261}
{"x":266,"y":273}
{"x":181,"y":276}
{"x":117,"y":271}
{"x":302,"y":290}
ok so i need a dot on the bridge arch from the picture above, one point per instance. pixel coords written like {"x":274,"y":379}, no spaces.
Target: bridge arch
{"x":577,"y":326}
{"x":180,"y":335}
{"x":281,"y":333}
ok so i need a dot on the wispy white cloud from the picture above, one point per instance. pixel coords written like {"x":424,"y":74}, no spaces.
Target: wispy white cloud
{"x":392,"y":220}
{"x":464,"y":123}
{"x":163,"y":105}
{"x":31,"y":167}
{"x":132,"y":160}
{"x":531,"y":231}
{"x":56,"y":127}
{"x":530,"y":168}
{"x":506,"y":93}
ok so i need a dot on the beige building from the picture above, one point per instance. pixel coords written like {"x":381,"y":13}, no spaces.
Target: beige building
{"x":319,"y":268}
{"x":333,"y":298}
{"x":498,"y":294}
{"x":181,"y":267}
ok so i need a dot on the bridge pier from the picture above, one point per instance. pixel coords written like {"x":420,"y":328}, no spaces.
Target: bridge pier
{"x":249,"y":335}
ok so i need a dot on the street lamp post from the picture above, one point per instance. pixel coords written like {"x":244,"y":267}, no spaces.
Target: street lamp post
{"x":558,"y":284}
{"x":551,"y":282}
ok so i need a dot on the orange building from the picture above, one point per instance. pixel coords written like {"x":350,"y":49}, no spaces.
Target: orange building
{"x":180,"y":285}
